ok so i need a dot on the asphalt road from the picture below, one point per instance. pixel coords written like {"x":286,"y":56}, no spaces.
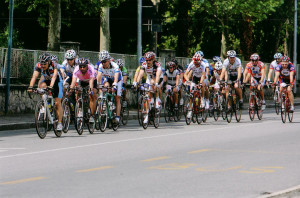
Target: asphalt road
{"x":214,"y":159}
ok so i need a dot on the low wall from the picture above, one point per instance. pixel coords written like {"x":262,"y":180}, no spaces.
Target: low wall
{"x":19,"y":101}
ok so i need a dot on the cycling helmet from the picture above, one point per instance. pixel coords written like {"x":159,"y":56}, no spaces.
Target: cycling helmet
{"x":120,"y":62}
{"x":218,"y":65}
{"x":142,"y":60}
{"x":277,"y":55}
{"x":70,"y":54}
{"x":200,"y":53}
{"x":104,"y":55}
{"x":83,"y":61}
{"x":150,"y":55}
{"x":285,"y":59}
{"x":254,"y":57}
{"x":44,"y":57}
{"x":54,"y":58}
{"x":175,"y":61}
{"x":197,"y":58}
{"x":171,"y":64}
{"x":231,"y":53}
{"x":217,"y":59}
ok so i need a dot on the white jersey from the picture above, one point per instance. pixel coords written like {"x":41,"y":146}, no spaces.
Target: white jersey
{"x":151,"y":71}
{"x":232,"y":68}
{"x":197,"y":71}
{"x":110,"y":73}
{"x":171,"y":77}
{"x":273,"y":65}
{"x":68,"y":68}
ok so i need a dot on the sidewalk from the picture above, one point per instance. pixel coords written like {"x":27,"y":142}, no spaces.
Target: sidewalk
{"x":26,"y":121}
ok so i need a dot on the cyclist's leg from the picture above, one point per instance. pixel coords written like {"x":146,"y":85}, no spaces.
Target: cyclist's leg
{"x":175,"y":90}
{"x":290,"y":95}
{"x":118,"y":98}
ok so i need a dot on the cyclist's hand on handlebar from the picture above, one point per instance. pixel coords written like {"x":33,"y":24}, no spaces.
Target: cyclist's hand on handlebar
{"x":30,"y":89}
{"x":50,"y":88}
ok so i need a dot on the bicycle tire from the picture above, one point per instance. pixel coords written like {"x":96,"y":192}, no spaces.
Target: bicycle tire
{"x":156,"y":117}
{"x":66,"y":119}
{"x":283,"y":110}
{"x":167,"y":109}
{"x":277,"y":104}
{"x":41,"y":121}
{"x":97,"y":114}
{"x":252,"y":107}
{"x":79,"y":120}
{"x":290,"y":116}
{"x":55,"y":123}
{"x":103,"y":117}
{"x":125,"y":115}
{"x":238,"y":110}
{"x":229,"y":111}
{"x":216,"y":109}
{"x":145,"y":112}
{"x":259,"y":110}
{"x":91,"y":125}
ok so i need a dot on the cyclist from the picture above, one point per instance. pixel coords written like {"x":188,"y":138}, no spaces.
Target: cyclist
{"x":273,"y":65}
{"x":153,"y":70}
{"x":232,"y":65}
{"x":199,"y":76}
{"x":256,"y":70}
{"x":124,"y":71}
{"x":85,"y":74}
{"x":137,"y":72}
{"x":112,"y":77}
{"x":181,"y":73}
{"x":51,"y":79}
{"x":218,"y":66}
{"x":172,"y":77}
{"x":285,"y":73}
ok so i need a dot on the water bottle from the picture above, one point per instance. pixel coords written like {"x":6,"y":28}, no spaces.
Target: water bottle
{"x":196,"y":100}
{"x":110,"y":104}
{"x":72,"y":106}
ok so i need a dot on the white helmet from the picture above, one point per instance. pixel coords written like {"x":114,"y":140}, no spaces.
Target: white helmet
{"x":277,"y":56}
{"x":231,"y":53}
{"x":120,"y":62}
{"x":70,"y":54}
{"x":104,"y":55}
{"x":218,"y":65}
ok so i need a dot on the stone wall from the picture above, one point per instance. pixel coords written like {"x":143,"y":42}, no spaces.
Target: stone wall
{"x":19,"y":101}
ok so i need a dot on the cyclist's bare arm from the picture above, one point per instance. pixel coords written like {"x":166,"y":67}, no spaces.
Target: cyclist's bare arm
{"x":35,"y":75}
{"x":202,"y":77}
{"x":91,"y":82}
{"x":239,"y":70}
{"x":140,"y":76}
{"x":74,"y":79}
{"x":276,"y":77}
{"x":262,"y":75}
{"x":99,"y":76}
{"x":53,"y":79}
{"x":247,"y":78}
{"x":270,"y":73}
{"x":62,"y":71}
{"x":165,"y":79}
{"x":177,"y":80}
{"x":223,"y":74}
{"x":116,"y":78}
{"x":245,"y":74}
{"x":158,"y":74}
{"x":291,"y":77}
{"x":187,"y":75}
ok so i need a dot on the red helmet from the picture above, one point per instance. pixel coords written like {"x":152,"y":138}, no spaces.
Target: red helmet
{"x":285,"y":59}
{"x":254,"y":57}
{"x":150,"y":55}
{"x":197,"y":58}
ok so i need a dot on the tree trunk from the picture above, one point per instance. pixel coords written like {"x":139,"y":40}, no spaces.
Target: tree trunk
{"x":247,"y":39}
{"x":104,"y":29}
{"x":54,"y":25}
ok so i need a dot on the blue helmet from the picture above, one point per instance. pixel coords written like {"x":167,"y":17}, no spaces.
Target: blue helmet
{"x":142,"y":60}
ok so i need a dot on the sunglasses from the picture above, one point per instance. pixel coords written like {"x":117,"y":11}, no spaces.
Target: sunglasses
{"x":70,"y":59}
{"x":171,"y":67}
{"x":82,"y":66}
{"x":148,"y":60}
{"x":43,"y":64}
{"x":104,"y":61}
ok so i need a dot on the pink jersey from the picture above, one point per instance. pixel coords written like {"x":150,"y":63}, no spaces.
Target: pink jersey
{"x":90,"y":73}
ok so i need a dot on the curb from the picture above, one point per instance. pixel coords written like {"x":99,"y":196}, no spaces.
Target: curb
{"x":290,"y":192}
{"x":28,"y":125}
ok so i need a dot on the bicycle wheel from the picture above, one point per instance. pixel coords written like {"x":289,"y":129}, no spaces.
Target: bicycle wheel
{"x":66,"y":119}
{"x":91,"y":125}
{"x":283,"y":110}
{"x":216,"y":109}
{"x":196,"y":106}
{"x":139,"y":110}
{"x":252,"y":107}
{"x":41,"y":122}
{"x":103,"y":118}
{"x":79,"y":120}
{"x":156,"y":117}
{"x":97,"y":114}
{"x":223,"y":110}
{"x":55,"y":122}
{"x":237,"y":109}
{"x":277,"y":104}
{"x":210,"y":110}
{"x":145,"y":113}
{"x":125,"y":113}
{"x":167,"y":109}
{"x":229,"y":111}
{"x":259,"y":111}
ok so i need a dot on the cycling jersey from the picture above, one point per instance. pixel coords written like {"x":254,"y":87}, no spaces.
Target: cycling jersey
{"x":124,"y":71}
{"x":151,"y":71}
{"x":171,"y":77}
{"x":90,"y":73}
{"x":197,"y":71}
{"x":273,"y":64}
{"x":145,"y":75}
{"x":68,"y":68}
{"x":255,"y":71}
{"x":48,"y":73}
{"x":285,"y":72}
{"x":109,"y":74}
{"x":232,"y":68}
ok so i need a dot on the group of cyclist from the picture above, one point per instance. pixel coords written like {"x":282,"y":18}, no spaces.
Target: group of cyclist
{"x":198,"y":74}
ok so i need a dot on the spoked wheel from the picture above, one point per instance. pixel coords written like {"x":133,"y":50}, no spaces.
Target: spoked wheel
{"x":238,"y":110}
{"x":176,"y":114}
{"x":139,"y":110}
{"x":66,"y":119}
{"x":79,"y":120}
{"x":229,"y":109}
{"x":97,"y":114}
{"x":291,"y":115}
{"x":188,"y":120}
{"x":205,"y":113}
{"x":41,"y":120}
{"x":103,"y":119}
{"x":145,"y":113}
{"x":167,"y":109}
{"x":180,"y":108}
{"x":156,"y":117}
{"x":277,"y":103}
{"x":114,"y":124}
{"x":55,"y":123}
{"x":211,"y":108}
{"x":125,"y":113}
{"x":199,"y":116}
{"x":252,"y":108}
{"x":223,"y":104}
{"x":283,"y":110}
{"x":216,"y":109}
{"x":196,"y":104}
{"x":91,"y":125}
{"x":259,"y":109}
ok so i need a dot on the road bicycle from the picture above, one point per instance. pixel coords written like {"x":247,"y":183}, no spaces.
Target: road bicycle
{"x":68,"y":110}
{"x":124,"y":113}
{"x":106,"y":109}
{"x":255,"y":104}
{"x":218,"y":104}
{"x":169,"y":105}
{"x":286,"y":104}
{"x":232,"y":104}
{"x":198,"y":112}
{"x":83,"y":111}
{"x":147,"y":108}
{"x":45,"y":114}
